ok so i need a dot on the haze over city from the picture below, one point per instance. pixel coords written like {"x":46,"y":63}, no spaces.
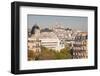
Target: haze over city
{"x":45,"y":21}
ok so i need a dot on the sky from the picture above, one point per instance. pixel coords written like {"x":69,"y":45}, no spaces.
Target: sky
{"x":45,"y":21}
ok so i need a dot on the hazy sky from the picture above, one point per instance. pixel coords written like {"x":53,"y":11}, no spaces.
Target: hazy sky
{"x":73,"y":22}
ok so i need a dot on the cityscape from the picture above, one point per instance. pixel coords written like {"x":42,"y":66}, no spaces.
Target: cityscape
{"x":57,"y":41}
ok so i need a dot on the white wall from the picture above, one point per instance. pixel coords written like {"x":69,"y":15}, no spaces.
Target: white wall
{"x":5,"y":41}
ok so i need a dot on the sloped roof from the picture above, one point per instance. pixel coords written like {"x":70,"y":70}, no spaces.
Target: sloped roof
{"x":50,"y":35}
{"x":33,"y":28}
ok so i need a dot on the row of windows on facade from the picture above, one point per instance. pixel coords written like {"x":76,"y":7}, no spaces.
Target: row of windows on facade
{"x":37,"y":41}
{"x":37,"y":50}
{"x":79,"y":57}
{"x":80,"y":37}
{"x":79,"y":48}
{"x":39,"y":44}
{"x":79,"y":52}
{"x":32,"y":41}
{"x":79,"y":45}
{"x":32,"y":47}
{"x":81,"y":42}
{"x":84,"y":53}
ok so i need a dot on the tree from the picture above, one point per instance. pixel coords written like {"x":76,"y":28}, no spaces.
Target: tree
{"x":48,"y":54}
{"x":66,"y":52}
{"x":31,"y":55}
